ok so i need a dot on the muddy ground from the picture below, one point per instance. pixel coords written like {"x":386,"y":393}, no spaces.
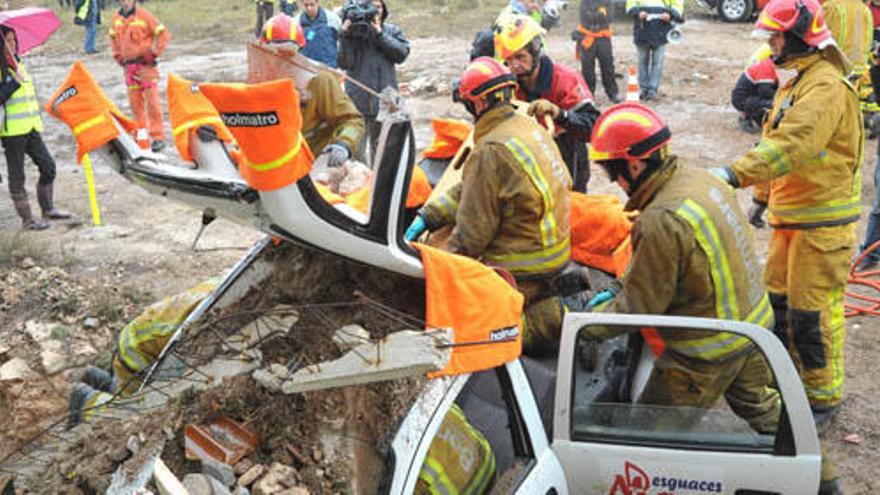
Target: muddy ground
{"x":142,"y":252}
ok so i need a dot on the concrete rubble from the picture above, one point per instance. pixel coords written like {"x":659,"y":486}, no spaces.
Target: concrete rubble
{"x":407,"y":353}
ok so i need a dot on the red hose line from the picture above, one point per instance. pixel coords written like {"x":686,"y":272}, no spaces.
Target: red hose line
{"x":864,"y":278}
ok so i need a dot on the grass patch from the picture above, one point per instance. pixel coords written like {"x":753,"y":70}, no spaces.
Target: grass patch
{"x":16,"y":245}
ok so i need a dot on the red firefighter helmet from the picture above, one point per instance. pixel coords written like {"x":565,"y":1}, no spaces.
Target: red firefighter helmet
{"x":280,"y":28}
{"x":801,"y":18}
{"x":482,"y":78}
{"x":628,"y":131}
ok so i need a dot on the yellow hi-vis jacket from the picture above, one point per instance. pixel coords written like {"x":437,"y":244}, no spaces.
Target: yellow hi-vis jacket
{"x":459,"y":461}
{"x":811,"y":149}
{"x":141,"y":341}
{"x":852,"y":26}
{"x":22,"y":108}
{"x":692,"y":256}
{"x":512,"y":205}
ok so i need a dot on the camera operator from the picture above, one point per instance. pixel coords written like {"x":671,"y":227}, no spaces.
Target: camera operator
{"x":369,"y":48}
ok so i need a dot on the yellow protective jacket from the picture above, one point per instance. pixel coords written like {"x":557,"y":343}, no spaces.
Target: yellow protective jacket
{"x":692,"y":256}
{"x":511,"y":208}
{"x":140,"y":342}
{"x":811,"y":149}
{"x":329,"y":115}
{"x":459,"y":461}
{"x":852,"y":26}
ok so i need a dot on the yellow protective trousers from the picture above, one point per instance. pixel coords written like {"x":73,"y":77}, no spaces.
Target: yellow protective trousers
{"x":744,"y":381}
{"x":806,"y":277}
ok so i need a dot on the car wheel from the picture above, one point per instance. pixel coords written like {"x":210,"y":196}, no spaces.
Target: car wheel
{"x":735,"y":10}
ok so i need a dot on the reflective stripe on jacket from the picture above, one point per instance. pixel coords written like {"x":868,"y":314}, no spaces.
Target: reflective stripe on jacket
{"x":329,"y":115}
{"x":851,"y":24}
{"x":811,"y":149}
{"x":140,"y":342}
{"x":22,"y":108}
{"x":459,"y":461}
{"x":693,"y":256}
{"x":511,"y":208}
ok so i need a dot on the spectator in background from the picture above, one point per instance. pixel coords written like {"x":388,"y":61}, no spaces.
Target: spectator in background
{"x":88,"y":14}
{"x":753,"y":94}
{"x":321,"y":28}
{"x":20,"y":136}
{"x":287,"y":6}
{"x":593,"y":38}
{"x":369,"y":49}
{"x":652,"y":20}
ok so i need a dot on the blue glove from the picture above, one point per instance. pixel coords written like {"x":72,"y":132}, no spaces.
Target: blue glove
{"x":336,"y":153}
{"x":415,"y":229}
{"x":604,"y":296}
{"x":725,"y":174}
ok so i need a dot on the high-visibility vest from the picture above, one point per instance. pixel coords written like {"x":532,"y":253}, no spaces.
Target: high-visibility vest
{"x":22,"y":108}
{"x":95,"y":405}
{"x":188,"y":109}
{"x":483,"y":311}
{"x":139,"y":343}
{"x":266,"y":122}
{"x":459,"y":460}
{"x":83,"y":12}
{"x":81,"y":104}
{"x":449,"y":134}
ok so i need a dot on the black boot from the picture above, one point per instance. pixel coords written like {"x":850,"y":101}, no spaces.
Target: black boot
{"x":99,"y":379}
{"x":28,"y":222}
{"x":45,"y":192}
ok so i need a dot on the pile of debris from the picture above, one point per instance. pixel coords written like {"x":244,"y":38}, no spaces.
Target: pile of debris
{"x":303,"y":442}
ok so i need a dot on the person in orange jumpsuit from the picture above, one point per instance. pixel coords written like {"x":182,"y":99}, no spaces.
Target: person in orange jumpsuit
{"x":137,"y":40}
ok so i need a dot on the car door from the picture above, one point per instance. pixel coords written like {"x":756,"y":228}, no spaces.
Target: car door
{"x":624,"y":447}
{"x":499,"y":405}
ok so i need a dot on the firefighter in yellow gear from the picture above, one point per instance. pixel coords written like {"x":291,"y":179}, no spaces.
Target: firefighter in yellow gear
{"x":810,"y":153}
{"x":852,"y":28}
{"x":459,"y":460}
{"x":331,"y":123}
{"x":138,"y":345}
{"x":511,"y":208}
{"x":692,"y":256}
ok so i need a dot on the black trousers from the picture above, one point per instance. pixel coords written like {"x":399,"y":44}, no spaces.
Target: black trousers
{"x":32,"y":145}
{"x":601,"y":50}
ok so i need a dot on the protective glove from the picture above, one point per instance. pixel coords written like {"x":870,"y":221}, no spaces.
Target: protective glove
{"x":336,"y":153}
{"x":725,"y":174}
{"x":756,"y":214}
{"x":541,"y":108}
{"x":149,"y":58}
{"x":415,"y":229}
{"x":602,"y":297}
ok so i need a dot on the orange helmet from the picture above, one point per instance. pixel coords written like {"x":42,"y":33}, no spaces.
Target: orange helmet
{"x":627,"y":131}
{"x":802,"y":18}
{"x":515,"y":33}
{"x":281,"y":28}
{"x":481,"y":81}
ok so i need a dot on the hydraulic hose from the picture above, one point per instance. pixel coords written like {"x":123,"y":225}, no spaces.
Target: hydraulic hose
{"x":866,"y":302}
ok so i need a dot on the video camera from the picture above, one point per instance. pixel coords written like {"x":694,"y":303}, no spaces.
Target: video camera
{"x":362,"y":14}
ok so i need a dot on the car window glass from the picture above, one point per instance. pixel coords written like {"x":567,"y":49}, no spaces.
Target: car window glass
{"x":480,"y":447}
{"x":713,"y":390}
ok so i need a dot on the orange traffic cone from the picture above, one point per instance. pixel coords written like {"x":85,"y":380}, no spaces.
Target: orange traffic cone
{"x":143,"y":138}
{"x":632,"y":85}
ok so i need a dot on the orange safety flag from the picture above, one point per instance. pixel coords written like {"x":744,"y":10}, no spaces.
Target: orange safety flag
{"x":82,"y":105}
{"x":481,"y":308}
{"x":188,"y":110}
{"x":600,"y":230}
{"x":266,"y":122}
{"x":449,"y":134}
